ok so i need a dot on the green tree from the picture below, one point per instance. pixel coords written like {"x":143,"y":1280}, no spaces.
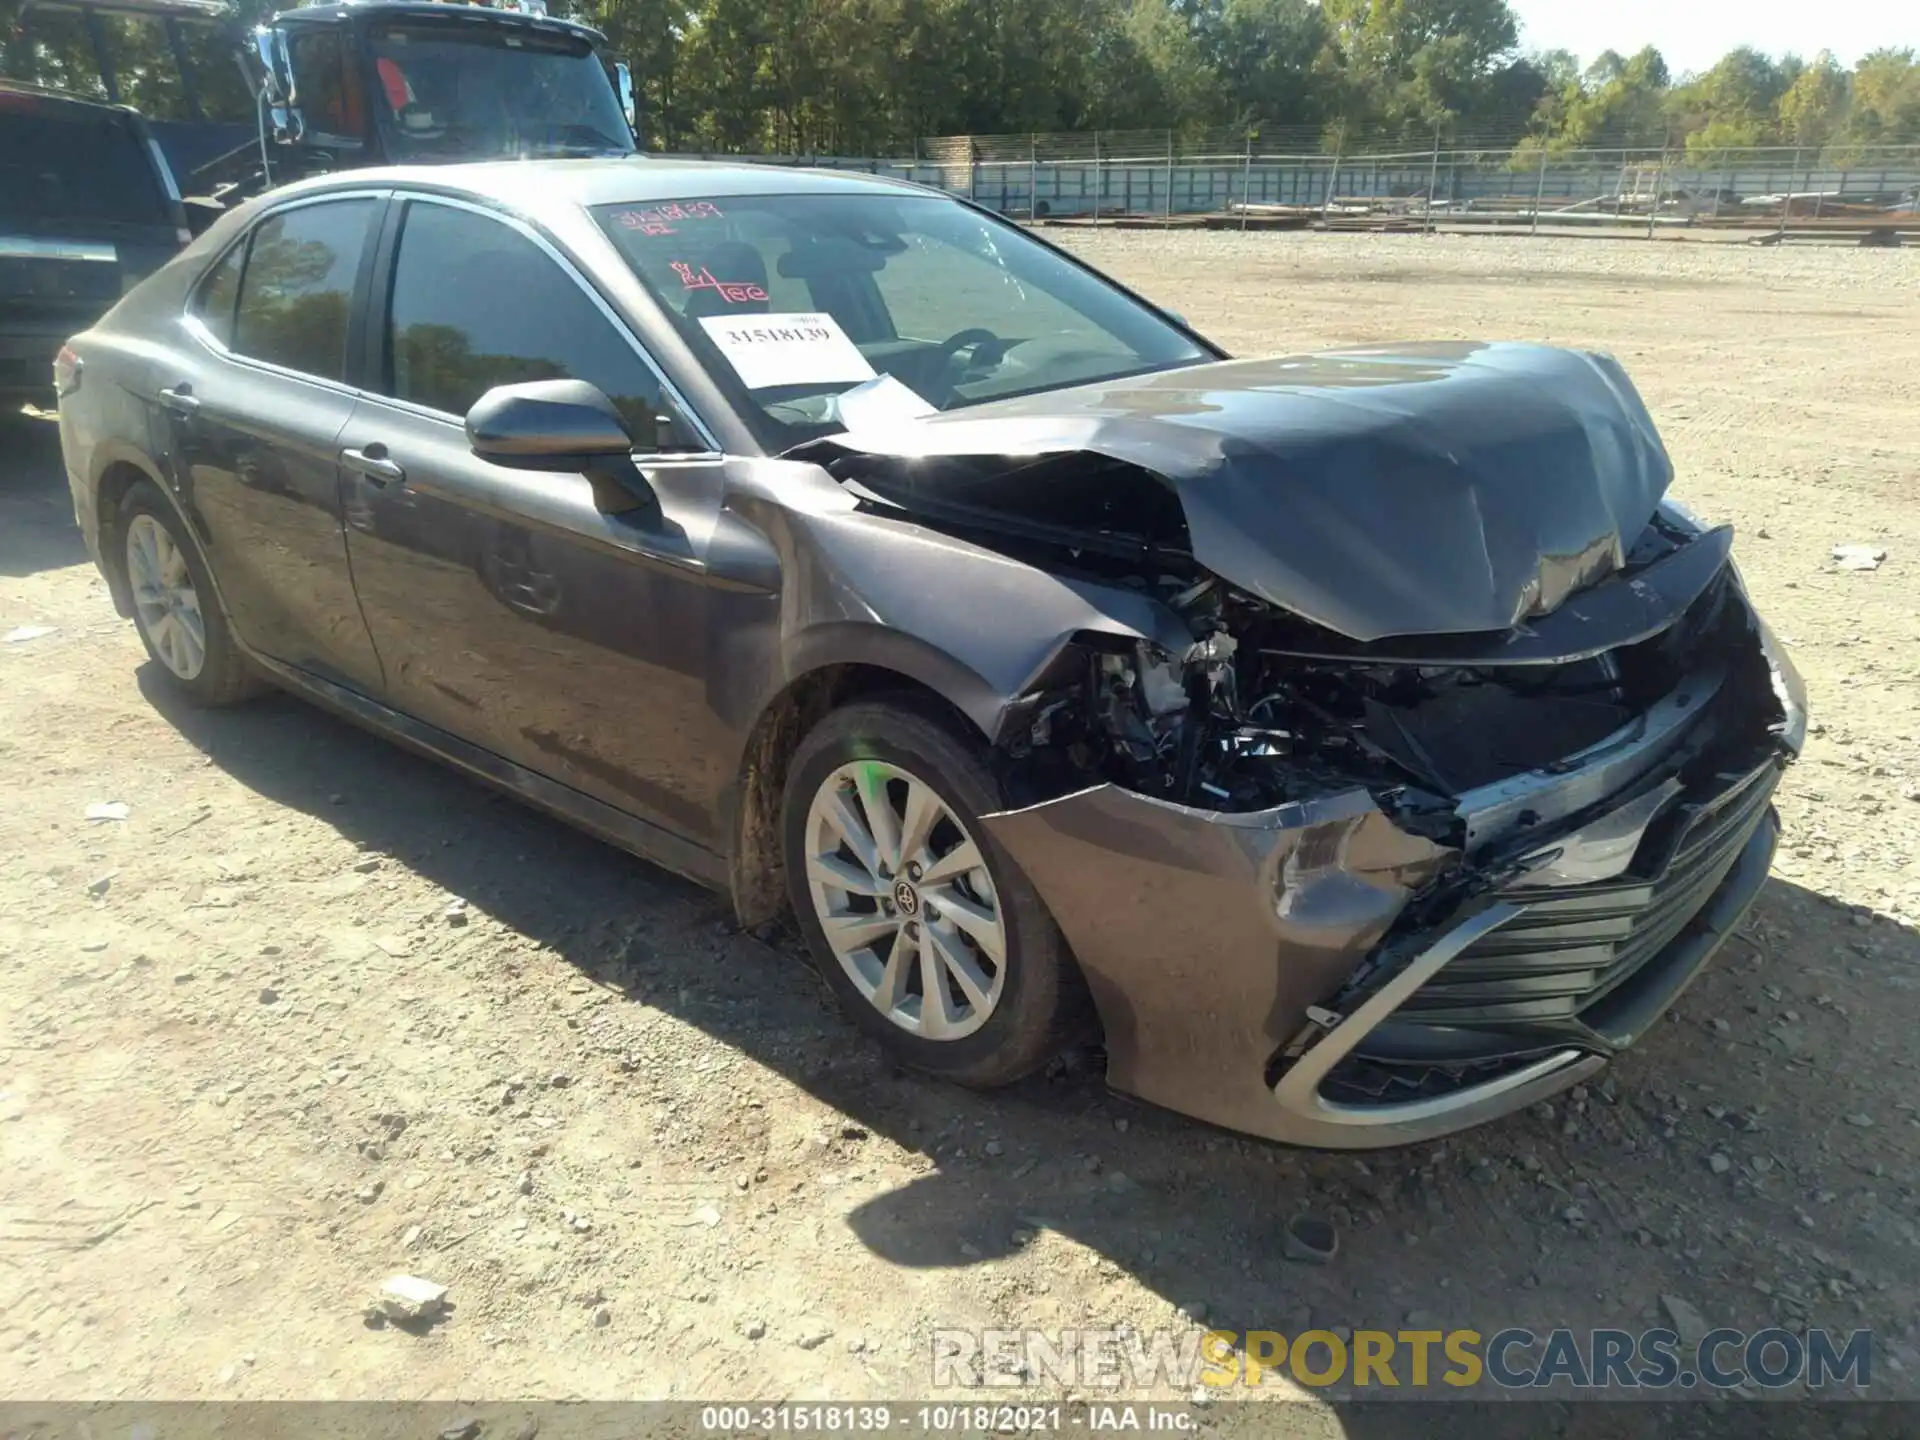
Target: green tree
{"x":1886,"y":99}
{"x":1734,"y":104}
{"x":1813,"y":108}
{"x":1268,"y":58}
{"x":1416,"y":64}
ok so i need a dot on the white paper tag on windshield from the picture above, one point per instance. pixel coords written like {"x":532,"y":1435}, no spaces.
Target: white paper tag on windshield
{"x":770,"y":350}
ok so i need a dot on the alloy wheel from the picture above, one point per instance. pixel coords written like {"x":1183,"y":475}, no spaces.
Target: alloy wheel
{"x":164,"y":599}
{"x":904,"y":899}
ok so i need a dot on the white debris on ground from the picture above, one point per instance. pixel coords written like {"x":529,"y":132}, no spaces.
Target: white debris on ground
{"x":1858,"y":557}
{"x":409,"y":1299}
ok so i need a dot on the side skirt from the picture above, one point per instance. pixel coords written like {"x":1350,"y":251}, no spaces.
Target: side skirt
{"x":639,"y":837}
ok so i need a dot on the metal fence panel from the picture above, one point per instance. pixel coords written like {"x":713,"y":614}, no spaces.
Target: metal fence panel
{"x":1142,"y":175}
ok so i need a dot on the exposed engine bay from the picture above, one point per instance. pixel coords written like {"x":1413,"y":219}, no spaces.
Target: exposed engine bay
{"x":1264,"y":707}
{"x":1242,"y":721}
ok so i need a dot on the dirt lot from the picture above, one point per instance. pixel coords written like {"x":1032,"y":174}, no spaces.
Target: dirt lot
{"x":248,"y":1069}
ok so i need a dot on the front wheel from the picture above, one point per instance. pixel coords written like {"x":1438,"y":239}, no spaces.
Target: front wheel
{"x":927,"y":932}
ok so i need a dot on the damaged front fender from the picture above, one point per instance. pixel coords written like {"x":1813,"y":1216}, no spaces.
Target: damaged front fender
{"x":1205,"y":936}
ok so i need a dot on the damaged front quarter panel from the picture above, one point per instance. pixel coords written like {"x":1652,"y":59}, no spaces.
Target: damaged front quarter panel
{"x":1204,"y":936}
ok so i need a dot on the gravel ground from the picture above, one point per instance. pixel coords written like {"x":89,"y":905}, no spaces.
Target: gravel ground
{"x":249,"y":1067}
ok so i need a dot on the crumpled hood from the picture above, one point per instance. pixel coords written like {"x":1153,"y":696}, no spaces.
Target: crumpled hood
{"x":1424,"y":489}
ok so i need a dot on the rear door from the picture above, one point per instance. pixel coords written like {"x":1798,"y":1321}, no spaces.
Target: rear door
{"x":86,"y":211}
{"x":511,"y":607}
{"x":254,"y":400}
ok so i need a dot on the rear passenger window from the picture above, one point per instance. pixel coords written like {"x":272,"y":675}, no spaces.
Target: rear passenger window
{"x":218,"y":294}
{"x":329,"y":100}
{"x":477,"y":304}
{"x":298,"y":287}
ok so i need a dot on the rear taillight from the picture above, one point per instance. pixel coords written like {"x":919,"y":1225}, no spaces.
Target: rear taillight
{"x":66,"y":371}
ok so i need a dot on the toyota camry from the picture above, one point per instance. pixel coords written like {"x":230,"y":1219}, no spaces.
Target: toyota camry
{"x":1362,"y":741}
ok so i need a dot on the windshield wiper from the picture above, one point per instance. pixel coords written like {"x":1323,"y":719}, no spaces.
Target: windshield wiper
{"x":578,"y":138}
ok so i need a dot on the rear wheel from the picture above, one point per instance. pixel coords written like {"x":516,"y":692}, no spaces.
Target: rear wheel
{"x":927,"y":932}
{"x":174,"y":607}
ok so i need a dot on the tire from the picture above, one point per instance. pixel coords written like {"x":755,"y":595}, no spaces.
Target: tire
{"x":1034,"y":990}
{"x":178,"y":618}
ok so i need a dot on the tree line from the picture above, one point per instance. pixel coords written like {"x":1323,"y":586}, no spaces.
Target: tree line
{"x":874,"y":76}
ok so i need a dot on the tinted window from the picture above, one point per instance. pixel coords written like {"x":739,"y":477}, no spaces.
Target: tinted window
{"x":330,"y":105}
{"x":59,"y":53}
{"x":449,"y":89}
{"x":299,"y":286}
{"x":65,"y":163}
{"x":144,"y":66}
{"x":218,"y":292}
{"x":219,"y":83}
{"x":476,"y":304}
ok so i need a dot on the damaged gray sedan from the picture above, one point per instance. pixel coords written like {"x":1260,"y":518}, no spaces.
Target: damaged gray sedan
{"x":1360,"y":739}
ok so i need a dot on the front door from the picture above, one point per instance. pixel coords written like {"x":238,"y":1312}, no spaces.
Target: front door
{"x":254,"y":401}
{"x":515,"y":608}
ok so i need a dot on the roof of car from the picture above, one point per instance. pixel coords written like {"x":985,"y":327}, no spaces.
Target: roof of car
{"x":616,"y":181}
{"x":178,"y":9}
{"x":443,"y":10}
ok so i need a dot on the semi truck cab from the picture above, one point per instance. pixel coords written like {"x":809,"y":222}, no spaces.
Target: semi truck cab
{"x":374,"y":82}
{"x":334,"y":85}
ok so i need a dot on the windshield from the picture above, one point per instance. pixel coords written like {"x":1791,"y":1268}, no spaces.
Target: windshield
{"x":459,"y":90}
{"x":88,"y":168}
{"x":899,"y":303}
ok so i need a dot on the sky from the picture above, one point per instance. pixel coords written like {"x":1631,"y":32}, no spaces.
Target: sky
{"x":1692,"y":34}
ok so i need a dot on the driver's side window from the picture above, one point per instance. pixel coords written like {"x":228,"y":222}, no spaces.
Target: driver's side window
{"x":476,"y":304}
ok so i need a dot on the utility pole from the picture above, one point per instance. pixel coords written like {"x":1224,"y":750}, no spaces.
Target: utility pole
{"x":1169,"y":173}
{"x":1786,"y":199}
{"x":1653,"y":205}
{"x":1540,"y":188}
{"x":1433,"y":178}
{"x":1099,"y":177}
{"x":1246,"y":182}
{"x":1333,"y":180}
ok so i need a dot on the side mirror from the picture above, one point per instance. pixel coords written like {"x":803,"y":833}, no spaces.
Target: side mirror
{"x":277,"y":97}
{"x":629,"y":102}
{"x":565,"y":425}
{"x":547,"y":424}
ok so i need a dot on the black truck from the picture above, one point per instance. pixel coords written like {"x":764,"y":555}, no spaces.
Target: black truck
{"x":88,"y":206}
{"x":165,"y":112}
{"x":333,"y":86}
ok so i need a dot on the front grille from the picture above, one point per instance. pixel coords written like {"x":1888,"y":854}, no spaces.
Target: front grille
{"x":1576,"y":943}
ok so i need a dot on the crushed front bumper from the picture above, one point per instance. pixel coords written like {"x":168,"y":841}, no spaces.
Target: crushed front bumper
{"x":1253,"y":970}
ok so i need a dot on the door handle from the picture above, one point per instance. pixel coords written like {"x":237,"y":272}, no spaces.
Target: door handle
{"x":372,"y":462}
{"x":180,"y":399}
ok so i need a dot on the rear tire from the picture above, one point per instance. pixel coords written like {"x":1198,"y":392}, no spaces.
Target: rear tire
{"x":883,"y":846}
{"x":175,"y":608}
